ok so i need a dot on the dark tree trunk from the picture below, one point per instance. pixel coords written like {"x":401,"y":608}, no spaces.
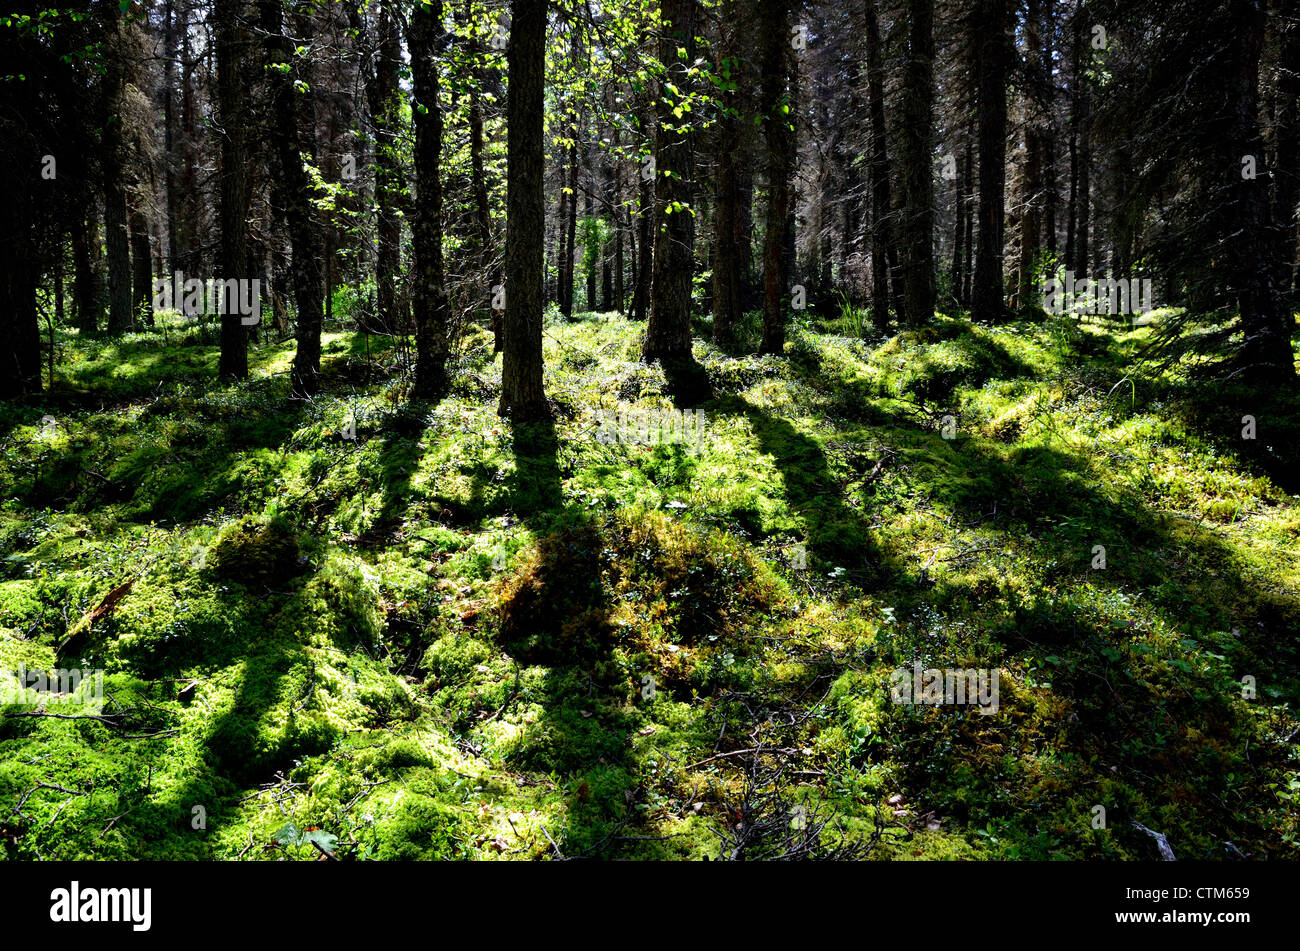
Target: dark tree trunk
{"x":521,"y":370}
{"x":645,"y":242}
{"x":589,"y":259}
{"x":1083,"y":190}
{"x":170,"y":53}
{"x":231,"y":39}
{"x":141,"y":267}
{"x":960,"y":213}
{"x":1031,"y":221}
{"x":429,"y":303}
{"x":968,"y":182}
{"x":668,"y":331}
{"x":987,"y":301}
{"x":567,"y":261}
{"x":1287,"y":179}
{"x":20,"y":335}
{"x":1050,"y":200}
{"x":84,"y":276}
{"x":606,"y":264}
{"x":881,"y":239}
{"x":190,"y":223}
{"x":726,"y":212}
{"x":385,"y":104}
{"x":777,"y":116}
{"x":1249,"y":240}
{"x":918,"y":174}
{"x":620,"y":227}
{"x":295,"y":191}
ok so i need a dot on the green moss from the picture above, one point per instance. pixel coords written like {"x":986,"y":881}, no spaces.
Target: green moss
{"x":449,"y":637}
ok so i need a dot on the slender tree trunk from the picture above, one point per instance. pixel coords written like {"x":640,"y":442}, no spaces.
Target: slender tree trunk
{"x":385,"y":106}
{"x":777,"y":115}
{"x":881,"y":203}
{"x":918,"y":174}
{"x":189,"y":223}
{"x":429,"y":304}
{"x":960,"y":212}
{"x":231,"y":51}
{"x":85,"y":289}
{"x":1050,"y":200}
{"x":295,"y":192}
{"x":1287,"y":179}
{"x":141,"y":267}
{"x":987,"y":301}
{"x":1083,"y":196}
{"x":1031,"y":221}
{"x":726,"y":210}
{"x":170,"y":53}
{"x":968,"y":188}
{"x":589,"y":259}
{"x":645,"y":242}
{"x":1250,"y":241}
{"x":521,"y":370}
{"x":668,"y":331}
{"x":568,"y":262}
{"x":620,"y":227}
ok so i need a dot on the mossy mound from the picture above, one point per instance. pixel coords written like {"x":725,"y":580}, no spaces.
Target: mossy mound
{"x":256,"y":552}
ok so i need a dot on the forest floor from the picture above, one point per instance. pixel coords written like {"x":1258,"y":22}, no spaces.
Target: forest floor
{"x":380,"y":630}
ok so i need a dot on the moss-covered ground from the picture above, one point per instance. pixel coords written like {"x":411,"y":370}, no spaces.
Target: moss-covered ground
{"x":376,"y":629}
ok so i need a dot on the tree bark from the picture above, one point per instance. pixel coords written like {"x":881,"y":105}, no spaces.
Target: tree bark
{"x":522,"y":396}
{"x":918,"y":172}
{"x":987,"y":301}
{"x":1249,"y":240}
{"x":231,"y":41}
{"x":668,"y":331}
{"x":881,"y":203}
{"x":777,"y":116}
{"x":295,"y":193}
{"x":429,"y":305}
{"x":726,"y":208}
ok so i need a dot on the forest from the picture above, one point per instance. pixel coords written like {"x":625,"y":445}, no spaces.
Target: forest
{"x":649,"y":429}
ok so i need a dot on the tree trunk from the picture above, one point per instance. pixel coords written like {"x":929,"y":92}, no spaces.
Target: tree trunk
{"x":645,"y":242}
{"x":1249,"y":240}
{"x":726,"y":210}
{"x":84,"y":277}
{"x":668,"y":331}
{"x":429,"y":303}
{"x":987,"y":302}
{"x":170,"y":43}
{"x":141,"y":268}
{"x":1031,"y":221}
{"x":383,"y":93}
{"x":918,"y":173}
{"x":521,"y":370}
{"x":1287,"y":179}
{"x":231,"y":40}
{"x":777,"y":116}
{"x":295,"y":192}
{"x":881,"y":239}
